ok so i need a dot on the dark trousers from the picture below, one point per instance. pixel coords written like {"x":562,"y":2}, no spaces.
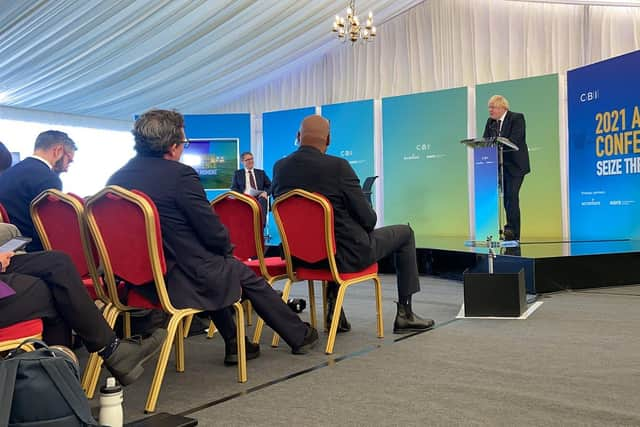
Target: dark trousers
{"x":269,"y":306}
{"x":48,"y":286}
{"x":512,"y":184}
{"x":399,"y":241}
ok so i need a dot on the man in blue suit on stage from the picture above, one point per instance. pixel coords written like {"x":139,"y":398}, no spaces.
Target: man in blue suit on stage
{"x":248,"y":179}
{"x":20,"y":184}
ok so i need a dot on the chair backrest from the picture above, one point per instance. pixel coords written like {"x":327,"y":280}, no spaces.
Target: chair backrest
{"x":305,"y":222}
{"x":4,"y":216}
{"x":59,"y":220}
{"x":125,"y":226}
{"x":368,"y":183}
{"x":241,"y":215}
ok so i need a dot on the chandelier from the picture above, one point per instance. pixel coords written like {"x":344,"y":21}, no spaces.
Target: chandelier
{"x":350,"y":27}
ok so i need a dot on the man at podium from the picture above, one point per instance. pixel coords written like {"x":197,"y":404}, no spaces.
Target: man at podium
{"x":510,"y":125}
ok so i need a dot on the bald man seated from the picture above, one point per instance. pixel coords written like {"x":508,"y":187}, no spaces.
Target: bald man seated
{"x":358,"y":244}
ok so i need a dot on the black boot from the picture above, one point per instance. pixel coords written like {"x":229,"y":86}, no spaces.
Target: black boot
{"x":407,"y":321}
{"x":125,"y":363}
{"x":343,"y":324}
{"x":231,"y":351}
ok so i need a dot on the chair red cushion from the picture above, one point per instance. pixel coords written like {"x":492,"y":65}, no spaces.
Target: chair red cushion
{"x":315,"y":274}
{"x":134,"y":299}
{"x":276,"y":266}
{"x":88,"y":285}
{"x":4,"y":216}
{"x":19,"y":330}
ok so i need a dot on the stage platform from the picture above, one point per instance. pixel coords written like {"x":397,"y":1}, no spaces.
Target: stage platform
{"x":549,"y":265}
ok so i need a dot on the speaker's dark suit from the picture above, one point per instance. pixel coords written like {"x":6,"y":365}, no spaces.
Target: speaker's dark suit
{"x":19,"y":185}
{"x":358,"y":244}
{"x":516,"y":164}
{"x":263,"y":183}
{"x":201,"y":270}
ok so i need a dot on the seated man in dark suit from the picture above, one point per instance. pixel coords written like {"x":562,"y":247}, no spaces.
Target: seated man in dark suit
{"x":19,"y":185}
{"x":5,"y":157}
{"x":202,"y":272}
{"x":358,"y":244}
{"x":248,"y":179}
{"x":46,"y":285}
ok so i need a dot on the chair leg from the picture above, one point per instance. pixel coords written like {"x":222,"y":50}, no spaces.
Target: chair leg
{"x":92,"y":372}
{"x":324,"y":304}
{"x":179,"y":345}
{"x":285,"y":296}
{"x":378,"y":286}
{"x":242,"y":352}
{"x":335,"y":319}
{"x":126,"y":321}
{"x":161,"y":366}
{"x":187,"y":325}
{"x":249,"y":309}
{"x":312,"y":304}
{"x":212,"y":329}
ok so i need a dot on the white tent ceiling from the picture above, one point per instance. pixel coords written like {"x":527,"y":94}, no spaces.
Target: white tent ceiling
{"x":117,"y":58}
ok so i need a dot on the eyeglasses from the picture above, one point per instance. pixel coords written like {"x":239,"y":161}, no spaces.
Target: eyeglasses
{"x":186,"y":143}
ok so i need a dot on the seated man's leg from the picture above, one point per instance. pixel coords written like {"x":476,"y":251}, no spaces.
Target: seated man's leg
{"x":73,"y":304}
{"x":33,"y":300}
{"x":274,"y":311}
{"x":399,"y":240}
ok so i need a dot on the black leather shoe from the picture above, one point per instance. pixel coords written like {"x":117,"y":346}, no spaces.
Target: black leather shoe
{"x":231,"y":351}
{"x":343,"y":324}
{"x":125,"y":363}
{"x":509,"y":234}
{"x":297,"y":305}
{"x":407,"y":321}
{"x":310,"y":341}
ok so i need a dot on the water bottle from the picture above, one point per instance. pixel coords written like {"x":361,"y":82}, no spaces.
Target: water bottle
{"x":111,"y":404}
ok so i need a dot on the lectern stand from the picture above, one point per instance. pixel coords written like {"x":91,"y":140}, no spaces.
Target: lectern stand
{"x":488,"y":153}
{"x":489,"y":293}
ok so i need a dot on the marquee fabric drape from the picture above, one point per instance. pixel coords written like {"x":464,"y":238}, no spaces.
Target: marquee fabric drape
{"x":441,"y":44}
{"x":114,"y":59}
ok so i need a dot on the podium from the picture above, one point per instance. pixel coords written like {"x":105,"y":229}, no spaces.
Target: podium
{"x":489,"y":185}
{"x":487,"y":293}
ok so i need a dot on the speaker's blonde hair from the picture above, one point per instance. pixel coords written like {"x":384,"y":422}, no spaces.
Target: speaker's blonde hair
{"x":499,"y":101}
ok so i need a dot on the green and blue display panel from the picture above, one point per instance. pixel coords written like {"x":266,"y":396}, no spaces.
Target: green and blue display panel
{"x":425,"y":166}
{"x":540,"y":195}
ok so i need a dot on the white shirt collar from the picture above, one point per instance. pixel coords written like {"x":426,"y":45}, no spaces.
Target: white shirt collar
{"x":42,"y":160}
{"x":503,"y":116}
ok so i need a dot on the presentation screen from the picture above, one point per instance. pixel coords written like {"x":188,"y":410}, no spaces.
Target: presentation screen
{"x":215,"y":160}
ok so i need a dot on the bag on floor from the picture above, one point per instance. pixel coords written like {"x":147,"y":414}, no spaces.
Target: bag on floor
{"x":42,"y":388}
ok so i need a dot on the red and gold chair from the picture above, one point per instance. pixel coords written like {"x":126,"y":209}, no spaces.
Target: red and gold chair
{"x":59,"y":220}
{"x":4,"y":216}
{"x":242,"y":216}
{"x":305,"y":222}
{"x":12,"y":336}
{"x":120,"y":219}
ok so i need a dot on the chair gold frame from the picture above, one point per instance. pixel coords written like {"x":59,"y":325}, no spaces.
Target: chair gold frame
{"x":330,"y":249}
{"x":264,"y":271}
{"x":92,"y":370}
{"x":176,"y":325}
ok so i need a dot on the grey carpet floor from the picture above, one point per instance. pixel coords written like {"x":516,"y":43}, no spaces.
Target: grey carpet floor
{"x":573,"y":362}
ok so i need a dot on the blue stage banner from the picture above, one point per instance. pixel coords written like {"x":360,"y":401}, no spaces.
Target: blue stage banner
{"x":604,"y":149}
{"x":352,"y":134}
{"x":218,"y":127}
{"x":486,"y":202}
{"x":279,"y":130}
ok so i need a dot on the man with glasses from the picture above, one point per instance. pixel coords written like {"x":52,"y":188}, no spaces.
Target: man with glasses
{"x":251,"y":181}
{"x":202,"y":272}
{"x":20,"y":184}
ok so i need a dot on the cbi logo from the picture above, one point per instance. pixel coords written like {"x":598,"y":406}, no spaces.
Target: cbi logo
{"x":590,"y":95}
